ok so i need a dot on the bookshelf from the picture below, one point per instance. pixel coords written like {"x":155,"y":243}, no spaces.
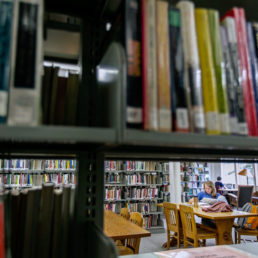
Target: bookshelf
{"x":193,"y":175}
{"x":92,"y":144}
{"x":140,"y":186}
{"x":25,"y":173}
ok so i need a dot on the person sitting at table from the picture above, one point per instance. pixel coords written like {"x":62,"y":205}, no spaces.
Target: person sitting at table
{"x":209,"y":192}
{"x":219,"y":185}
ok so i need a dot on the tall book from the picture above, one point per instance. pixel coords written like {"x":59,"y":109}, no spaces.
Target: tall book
{"x":163,"y":64}
{"x":149,"y":67}
{"x":132,"y":43}
{"x":218,"y":64}
{"x":208,"y":73}
{"x":26,"y":64}
{"x":230,"y":26}
{"x":45,"y":221}
{"x":180,"y":116}
{"x":71,"y":99}
{"x":231,"y":82}
{"x":6,"y":21}
{"x":192,"y":70}
{"x":246,"y":76}
{"x":253,"y":62}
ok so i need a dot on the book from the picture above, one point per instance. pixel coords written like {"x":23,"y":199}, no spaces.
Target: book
{"x":246,"y":78}
{"x":180,"y":116}
{"x":253,"y":62}
{"x":46,"y":93}
{"x":132,"y":44}
{"x":26,"y":64}
{"x":219,"y":68}
{"x":45,"y":221}
{"x":230,"y":27}
{"x":65,"y":220}
{"x":163,"y":67}
{"x":31,"y":223}
{"x":231,"y":83}
{"x":6,"y":21}
{"x":208,"y":73}
{"x":192,"y":72}
{"x":71,"y":100}
{"x":56,"y":250}
{"x":149,"y":65}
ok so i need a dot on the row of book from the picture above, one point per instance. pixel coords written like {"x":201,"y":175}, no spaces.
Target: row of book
{"x":23,"y":180}
{"x":132,"y":165}
{"x":150,"y":221}
{"x":38,"y":222}
{"x":27,"y":164}
{"x":142,"y":207}
{"x":26,"y":97}
{"x":191,"y":177}
{"x":188,"y":70}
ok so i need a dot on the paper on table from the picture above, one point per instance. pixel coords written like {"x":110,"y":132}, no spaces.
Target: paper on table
{"x":205,"y":252}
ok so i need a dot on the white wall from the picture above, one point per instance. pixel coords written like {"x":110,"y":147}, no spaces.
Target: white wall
{"x":215,"y":171}
{"x":175,"y":184}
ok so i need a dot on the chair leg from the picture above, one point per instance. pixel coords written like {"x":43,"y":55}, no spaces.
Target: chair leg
{"x":235,"y":237}
{"x":196,"y":243}
{"x":168,"y":240}
{"x":239,"y":238}
{"x":178,"y":240}
{"x":185,"y":243}
{"x":204,"y":242}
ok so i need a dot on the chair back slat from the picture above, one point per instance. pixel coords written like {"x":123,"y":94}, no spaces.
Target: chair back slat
{"x":188,"y":221}
{"x":244,"y":195}
{"x":172,"y":216}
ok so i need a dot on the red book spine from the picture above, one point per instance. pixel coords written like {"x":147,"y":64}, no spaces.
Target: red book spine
{"x":246,"y":76}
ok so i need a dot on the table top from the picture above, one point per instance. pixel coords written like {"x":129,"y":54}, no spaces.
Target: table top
{"x":116,"y":227}
{"x":220,"y":215}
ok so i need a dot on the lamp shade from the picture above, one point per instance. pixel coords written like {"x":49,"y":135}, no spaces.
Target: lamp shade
{"x":242,"y":172}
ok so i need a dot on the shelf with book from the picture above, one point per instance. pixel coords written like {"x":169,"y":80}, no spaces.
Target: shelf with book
{"x":140,"y":185}
{"x":193,"y":175}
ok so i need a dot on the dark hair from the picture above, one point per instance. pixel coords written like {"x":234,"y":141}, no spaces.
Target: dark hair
{"x":218,"y":178}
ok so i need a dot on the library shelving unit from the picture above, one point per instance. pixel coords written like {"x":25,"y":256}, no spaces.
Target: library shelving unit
{"x":26,"y":173}
{"x":193,"y":175}
{"x":91,"y":143}
{"x":138,"y":185}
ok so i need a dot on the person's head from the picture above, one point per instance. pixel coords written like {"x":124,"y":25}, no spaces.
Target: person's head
{"x":219,"y":178}
{"x":209,"y":188}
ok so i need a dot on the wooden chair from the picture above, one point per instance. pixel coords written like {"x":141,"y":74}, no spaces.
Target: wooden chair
{"x":173,"y":222}
{"x":191,"y":231}
{"x":124,"y":212}
{"x":243,"y":196}
{"x":132,"y":244}
{"x":244,"y":232}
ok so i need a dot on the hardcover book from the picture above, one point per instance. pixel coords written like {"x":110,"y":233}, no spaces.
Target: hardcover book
{"x":192,"y":72}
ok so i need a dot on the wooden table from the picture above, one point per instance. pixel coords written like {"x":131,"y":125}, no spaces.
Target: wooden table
{"x":224,"y":222}
{"x":118,"y":228}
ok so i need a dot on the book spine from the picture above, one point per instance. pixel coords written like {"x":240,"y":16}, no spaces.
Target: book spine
{"x":132,"y":42}
{"x":180,"y":116}
{"x":253,"y":62}
{"x":230,"y":26}
{"x":248,"y":96}
{"x":149,"y":67}
{"x":230,"y":82}
{"x":208,"y":74}
{"x":192,"y":70}
{"x":218,"y":64}
{"x":6,"y":21}
{"x":250,"y":99}
{"x":26,"y":67}
{"x":164,"y":106}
